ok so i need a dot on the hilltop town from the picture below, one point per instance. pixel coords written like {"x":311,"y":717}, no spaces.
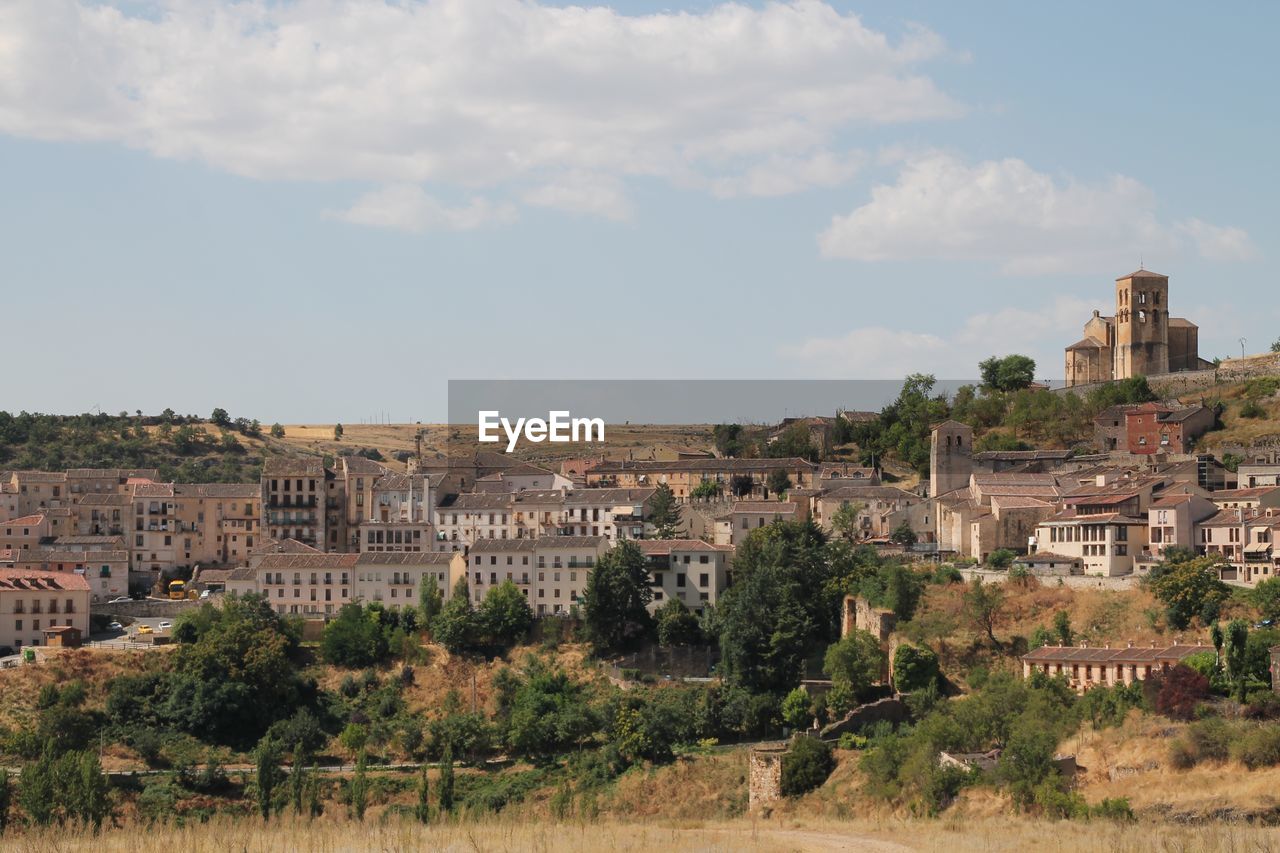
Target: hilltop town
{"x":998,"y":592}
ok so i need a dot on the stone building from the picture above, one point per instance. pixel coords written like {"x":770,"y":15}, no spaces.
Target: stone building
{"x":1140,"y":339}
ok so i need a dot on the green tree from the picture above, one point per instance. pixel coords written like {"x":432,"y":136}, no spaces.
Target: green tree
{"x":1001,"y":558}
{"x":729,"y":439}
{"x":707,"y":490}
{"x":38,"y":791}
{"x":422,"y":810}
{"x":358,"y":791}
{"x":1062,"y":628}
{"x":664,"y":514}
{"x":779,"y":482}
{"x":844,"y":521}
{"x":267,"y":760}
{"x":277,"y":431}
{"x":797,"y":709}
{"x":795,"y":442}
{"x":220,"y":418}
{"x":779,"y":606}
{"x":549,"y":713}
{"x":1189,"y":589}
{"x":854,"y":664}
{"x":446,"y":779}
{"x":430,"y":602}
{"x":1275,"y":345}
{"x":983,"y":606}
{"x":903,"y":535}
{"x":806,"y":765}
{"x":6,"y":800}
{"x":458,"y":626}
{"x":616,"y":599}
{"x":85,"y":789}
{"x":1266,"y":597}
{"x":506,"y":614}
{"x":355,"y":638}
{"x":1011,"y":373}
{"x":1235,"y":645}
{"x":354,"y":737}
{"x":914,"y":668}
{"x":677,"y":625}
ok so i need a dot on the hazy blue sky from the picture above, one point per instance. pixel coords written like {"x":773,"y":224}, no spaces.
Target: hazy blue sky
{"x":321,"y":210}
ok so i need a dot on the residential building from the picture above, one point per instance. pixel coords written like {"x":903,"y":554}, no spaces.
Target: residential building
{"x":33,"y":601}
{"x":750,"y":515}
{"x":551,"y":571}
{"x":1172,"y":521}
{"x":298,"y":502}
{"x":320,"y":584}
{"x":105,"y":572}
{"x":739,"y":477}
{"x":1086,"y":667}
{"x":28,"y":532}
{"x":39,"y":490}
{"x":1255,"y":475}
{"x":1155,"y":428}
{"x":1256,"y":498}
{"x":398,"y":516}
{"x":690,"y":570}
{"x":877,"y":506}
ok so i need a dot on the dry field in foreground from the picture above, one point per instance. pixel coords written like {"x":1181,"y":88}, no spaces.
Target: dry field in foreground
{"x":885,"y":836}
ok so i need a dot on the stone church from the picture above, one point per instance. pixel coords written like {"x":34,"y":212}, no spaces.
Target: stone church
{"x":1141,"y":339}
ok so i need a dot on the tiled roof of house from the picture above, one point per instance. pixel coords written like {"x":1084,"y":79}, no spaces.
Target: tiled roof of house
{"x":25,"y":521}
{"x":248,"y":491}
{"x":92,"y":499}
{"x":283,"y":546}
{"x":361,"y":465}
{"x":308,"y":561}
{"x":1128,"y":654}
{"x":154,"y":490}
{"x":1253,"y":493}
{"x":883,"y":493}
{"x":293,"y":466}
{"x":486,"y":546}
{"x":41,"y":476}
{"x":571,"y":541}
{"x":88,"y":539}
{"x":406,"y":558}
{"x":709,"y":465}
{"x":765,"y":507}
{"x":654,"y":547}
{"x":63,"y":555}
{"x":36,"y":580}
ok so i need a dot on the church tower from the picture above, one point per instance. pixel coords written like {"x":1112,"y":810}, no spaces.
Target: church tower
{"x":950,"y":457}
{"x":1142,"y":325}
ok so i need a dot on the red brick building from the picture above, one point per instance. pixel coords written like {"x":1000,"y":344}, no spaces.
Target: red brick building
{"x":1156,"y":428}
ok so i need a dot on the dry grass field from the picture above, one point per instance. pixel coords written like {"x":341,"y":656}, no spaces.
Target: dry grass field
{"x":765,"y":836}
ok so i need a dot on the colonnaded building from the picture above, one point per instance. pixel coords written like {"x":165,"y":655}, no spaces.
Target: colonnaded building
{"x":1141,"y":339}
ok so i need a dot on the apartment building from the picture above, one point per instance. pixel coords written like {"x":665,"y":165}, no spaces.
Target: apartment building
{"x":689,"y":570}
{"x":398,"y":515}
{"x":1256,"y":498}
{"x":105,"y":481}
{"x":739,"y":477}
{"x":876,"y":506}
{"x":750,"y":515}
{"x":106,"y":572}
{"x":1106,"y":532}
{"x":551,"y":571}
{"x":522,"y":478}
{"x":38,"y":490}
{"x":462,"y":520}
{"x":319,"y":584}
{"x":301,"y":500}
{"x":1172,"y":521}
{"x":34,"y":604}
{"x":1086,"y":667}
{"x":25,"y":533}
{"x":102,"y":513}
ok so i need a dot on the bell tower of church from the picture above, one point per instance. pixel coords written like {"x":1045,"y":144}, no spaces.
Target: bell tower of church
{"x":1142,"y":325}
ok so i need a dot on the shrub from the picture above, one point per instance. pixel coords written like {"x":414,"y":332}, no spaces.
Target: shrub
{"x":797,"y":709}
{"x":1252,"y":409}
{"x":1182,"y":756}
{"x":806,"y":766}
{"x":914,"y":668}
{"x":1179,"y":692}
{"x":849,"y":740}
{"x":1117,"y":809}
{"x":1210,"y":739}
{"x":1001,"y":558}
{"x":1259,"y":747}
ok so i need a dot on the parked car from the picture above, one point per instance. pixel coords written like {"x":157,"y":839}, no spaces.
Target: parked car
{"x":123,"y":599}
{"x":115,"y":626}
{"x":164,"y":626}
{"x":204,"y":593}
{"x":145,"y":629}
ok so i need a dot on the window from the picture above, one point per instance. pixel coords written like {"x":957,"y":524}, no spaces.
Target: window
{"x":703,"y":579}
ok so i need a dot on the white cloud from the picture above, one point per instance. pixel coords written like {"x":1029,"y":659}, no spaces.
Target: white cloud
{"x":406,"y":207}
{"x":876,"y":352}
{"x":784,"y":175}
{"x":1025,"y":221}
{"x":510,"y":96}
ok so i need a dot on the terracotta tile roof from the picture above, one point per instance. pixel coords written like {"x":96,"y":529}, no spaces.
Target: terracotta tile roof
{"x":1165,"y":501}
{"x":1018,"y":502}
{"x":1243,"y":494}
{"x":292,"y":466}
{"x":54,"y":555}
{"x":571,"y":541}
{"x":406,"y":558}
{"x":76,"y":539}
{"x":1130,"y":654}
{"x":486,"y":546}
{"x":247,"y":491}
{"x":360,"y":465}
{"x":283,"y":546}
{"x":308,"y":561}
{"x":154,"y":490}
{"x":41,"y":476}
{"x":765,"y":507}
{"x":34,"y":580}
{"x":25,"y":521}
{"x":870,"y":493}
{"x":92,"y":499}
{"x":666,"y":546}
{"x":709,"y":465}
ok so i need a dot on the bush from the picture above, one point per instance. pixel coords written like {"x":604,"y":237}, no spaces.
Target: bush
{"x":914,"y":668}
{"x":1117,"y":809}
{"x":1252,"y":409}
{"x":1259,"y":747}
{"x":1178,"y":692}
{"x":1001,"y":558}
{"x":849,"y":740}
{"x":806,"y":766}
{"x":1210,"y":739}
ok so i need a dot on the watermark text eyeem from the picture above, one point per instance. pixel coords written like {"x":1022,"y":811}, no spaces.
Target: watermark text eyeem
{"x":558,"y":428}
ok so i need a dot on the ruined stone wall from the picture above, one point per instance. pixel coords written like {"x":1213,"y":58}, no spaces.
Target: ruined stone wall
{"x":860,"y":615}
{"x":764,"y":775}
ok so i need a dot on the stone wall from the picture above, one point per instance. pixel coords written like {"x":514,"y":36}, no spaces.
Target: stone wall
{"x":146,"y":607}
{"x":891,"y":708}
{"x":764,"y":775}
{"x":860,"y":615}
{"x":1189,"y":381}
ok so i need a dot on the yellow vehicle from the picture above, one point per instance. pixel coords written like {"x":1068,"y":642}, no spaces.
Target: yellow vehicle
{"x":145,"y":629}
{"x":177,"y":590}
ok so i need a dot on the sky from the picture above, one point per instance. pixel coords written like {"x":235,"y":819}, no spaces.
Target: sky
{"x":323,"y":211}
